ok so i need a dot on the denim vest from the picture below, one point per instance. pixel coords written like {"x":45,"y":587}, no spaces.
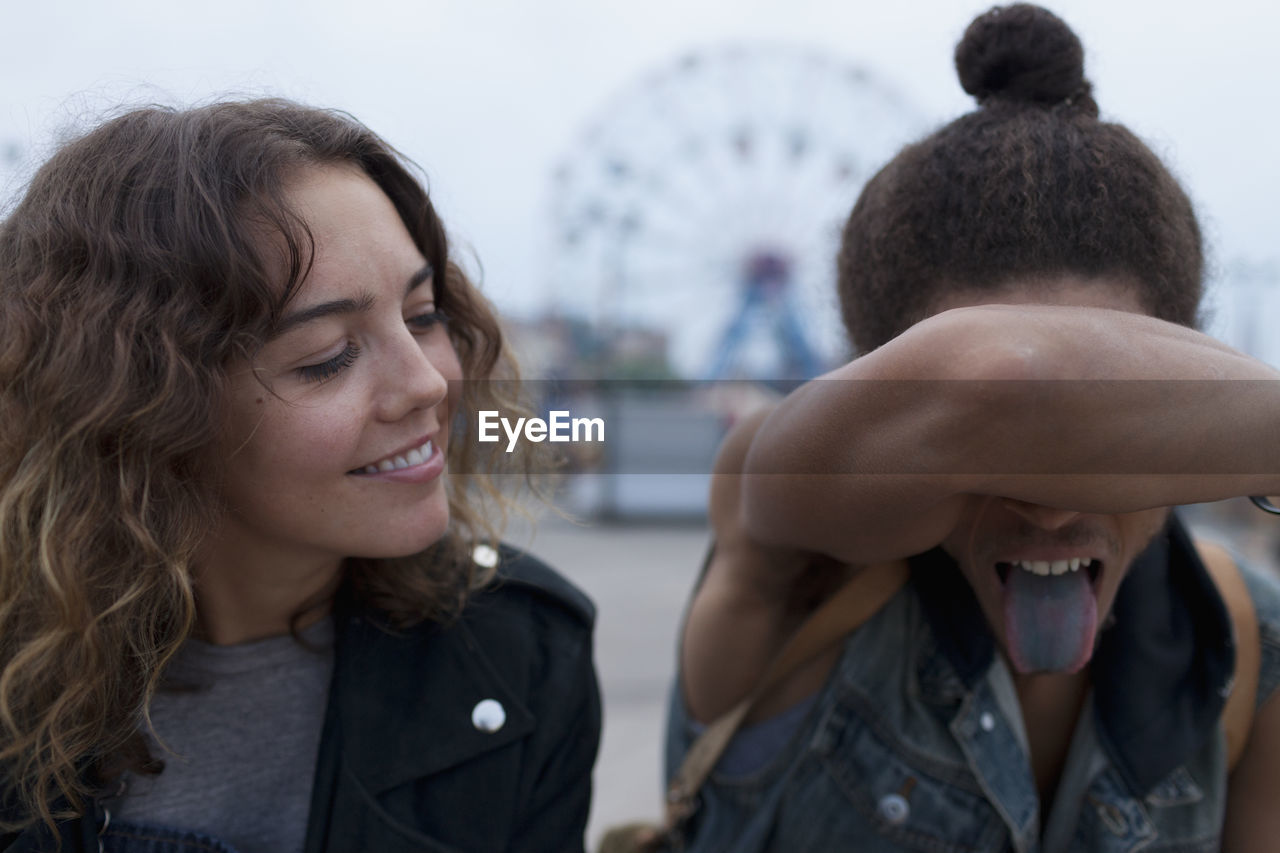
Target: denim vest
{"x":916,"y":741}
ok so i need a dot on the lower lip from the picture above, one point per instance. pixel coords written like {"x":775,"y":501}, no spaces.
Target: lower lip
{"x":423,"y":472}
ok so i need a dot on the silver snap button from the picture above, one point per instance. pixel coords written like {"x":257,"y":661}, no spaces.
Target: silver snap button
{"x":893,"y":808}
{"x":488,"y":715}
{"x":485,"y":555}
{"x":987,"y":721}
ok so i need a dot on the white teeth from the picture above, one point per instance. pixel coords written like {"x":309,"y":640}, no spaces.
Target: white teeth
{"x":1045,"y":568}
{"x":416,"y":456}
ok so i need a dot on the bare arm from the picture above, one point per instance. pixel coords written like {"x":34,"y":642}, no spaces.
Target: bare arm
{"x":750,"y":600}
{"x":1253,"y":821}
{"x":1077,"y":408}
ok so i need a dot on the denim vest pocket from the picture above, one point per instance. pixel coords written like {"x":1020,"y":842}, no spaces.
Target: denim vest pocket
{"x":1174,"y":816}
{"x":874,"y":792}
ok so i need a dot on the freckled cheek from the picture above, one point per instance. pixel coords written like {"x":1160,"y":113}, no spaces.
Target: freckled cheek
{"x":306,"y":444}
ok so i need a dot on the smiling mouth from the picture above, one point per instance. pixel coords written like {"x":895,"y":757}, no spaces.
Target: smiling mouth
{"x":408,"y":459}
{"x":1050,"y":568}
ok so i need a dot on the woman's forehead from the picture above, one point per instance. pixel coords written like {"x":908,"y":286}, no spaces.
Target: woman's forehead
{"x":357,"y":234}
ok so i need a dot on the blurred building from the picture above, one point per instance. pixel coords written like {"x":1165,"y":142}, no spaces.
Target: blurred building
{"x":554,"y":346}
{"x":1244,"y":308}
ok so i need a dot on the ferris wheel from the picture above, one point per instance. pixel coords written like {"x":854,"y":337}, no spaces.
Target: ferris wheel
{"x":706,"y":201}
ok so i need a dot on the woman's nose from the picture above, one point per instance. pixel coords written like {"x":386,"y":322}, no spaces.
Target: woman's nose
{"x":411,"y":379}
{"x":1044,"y":517}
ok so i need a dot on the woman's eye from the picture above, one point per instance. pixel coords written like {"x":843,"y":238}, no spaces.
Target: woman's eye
{"x":427,"y":320}
{"x":331,"y":368}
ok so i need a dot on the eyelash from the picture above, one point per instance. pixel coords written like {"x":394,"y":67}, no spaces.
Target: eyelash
{"x":326,"y":370}
{"x":429,"y":320}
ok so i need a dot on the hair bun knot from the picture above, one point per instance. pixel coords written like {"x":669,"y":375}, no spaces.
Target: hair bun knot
{"x":1023,"y":53}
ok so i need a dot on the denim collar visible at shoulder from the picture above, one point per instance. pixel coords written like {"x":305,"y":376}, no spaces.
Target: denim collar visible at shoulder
{"x":1160,"y":671}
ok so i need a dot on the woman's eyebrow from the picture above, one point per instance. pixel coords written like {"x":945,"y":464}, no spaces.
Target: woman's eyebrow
{"x":362,"y":303}
{"x":419,"y":277}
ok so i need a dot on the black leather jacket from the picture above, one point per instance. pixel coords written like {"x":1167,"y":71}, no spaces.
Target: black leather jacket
{"x":402,"y":766}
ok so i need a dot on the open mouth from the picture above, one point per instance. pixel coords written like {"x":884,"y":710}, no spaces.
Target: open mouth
{"x":1051,"y":568}
{"x":1049,"y":610}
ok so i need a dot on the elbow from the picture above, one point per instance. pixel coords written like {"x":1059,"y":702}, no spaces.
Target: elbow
{"x":776,"y":489}
{"x":992,"y":343}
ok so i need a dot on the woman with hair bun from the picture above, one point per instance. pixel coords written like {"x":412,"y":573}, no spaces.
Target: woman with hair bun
{"x":247,"y":596}
{"x":1062,"y":668}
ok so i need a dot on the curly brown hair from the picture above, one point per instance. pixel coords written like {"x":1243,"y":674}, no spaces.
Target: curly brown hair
{"x":131,"y":273}
{"x":1030,"y":185}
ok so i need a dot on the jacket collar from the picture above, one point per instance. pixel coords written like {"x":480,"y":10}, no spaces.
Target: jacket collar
{"x":1159,"y":670}
{"x":404,"y":701}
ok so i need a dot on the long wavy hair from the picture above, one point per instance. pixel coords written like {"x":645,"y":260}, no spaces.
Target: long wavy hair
{"x":131,"y":273}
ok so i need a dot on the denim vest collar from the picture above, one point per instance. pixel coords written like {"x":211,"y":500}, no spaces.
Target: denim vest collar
{"x":1161,"y":670}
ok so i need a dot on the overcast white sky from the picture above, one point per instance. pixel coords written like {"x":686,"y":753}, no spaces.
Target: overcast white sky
{"x":487,"y":95}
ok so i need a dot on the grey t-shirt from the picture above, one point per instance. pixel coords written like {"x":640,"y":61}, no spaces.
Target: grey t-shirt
{"x":243,"y":723}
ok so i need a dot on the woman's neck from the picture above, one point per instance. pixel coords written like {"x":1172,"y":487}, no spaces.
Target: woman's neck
{"x":245,"y":594}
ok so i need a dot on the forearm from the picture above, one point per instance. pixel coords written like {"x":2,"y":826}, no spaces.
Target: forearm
{"x":743,"y":606}
{"x":1090,"y":410}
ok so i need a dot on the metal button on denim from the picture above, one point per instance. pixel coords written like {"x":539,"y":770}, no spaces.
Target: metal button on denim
{"x":488,"y":715}
{"x":893,"y":808}
{"x":987,"y":721}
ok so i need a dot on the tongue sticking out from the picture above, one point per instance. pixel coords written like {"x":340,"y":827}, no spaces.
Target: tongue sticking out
{"x":1049,"y":621}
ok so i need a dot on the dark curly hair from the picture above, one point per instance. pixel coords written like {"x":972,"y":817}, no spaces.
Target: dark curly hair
{"x":1031,"y":185}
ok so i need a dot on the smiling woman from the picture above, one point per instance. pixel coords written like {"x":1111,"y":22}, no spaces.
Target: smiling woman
{"x":246,"y":597}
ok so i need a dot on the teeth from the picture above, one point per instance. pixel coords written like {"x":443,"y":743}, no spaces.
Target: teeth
{"x":1045,"y":568}
{"x":416,"y":456}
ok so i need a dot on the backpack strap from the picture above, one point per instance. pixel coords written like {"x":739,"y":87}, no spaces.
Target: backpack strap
{"x":1237,"y":715}
{"x":858,"y":600}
